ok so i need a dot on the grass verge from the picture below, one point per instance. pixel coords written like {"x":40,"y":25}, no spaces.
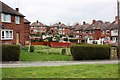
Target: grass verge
{"x":35,"y":56}
{"x":76,"y":71}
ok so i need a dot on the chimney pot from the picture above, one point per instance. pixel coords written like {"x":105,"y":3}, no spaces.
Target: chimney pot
{"x":17,"y":9}
{"x":37,"y":21}
{"x":59,"y":22}
{"x":94,"y":21}
{"x":84,"y":23}
{"x":116,"y":19}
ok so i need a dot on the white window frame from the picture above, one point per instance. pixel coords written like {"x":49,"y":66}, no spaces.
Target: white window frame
{"x":8,"y":34}
{"x":6,"y":18}
{"x":17,"y":19}
{"x":35,"y":30}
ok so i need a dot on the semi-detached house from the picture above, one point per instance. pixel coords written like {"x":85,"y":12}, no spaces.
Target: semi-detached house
{"x":14,"y":28}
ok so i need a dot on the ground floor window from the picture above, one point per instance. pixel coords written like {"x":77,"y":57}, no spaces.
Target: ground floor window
{"x":115,"y":39}
{"x":6,"y":34}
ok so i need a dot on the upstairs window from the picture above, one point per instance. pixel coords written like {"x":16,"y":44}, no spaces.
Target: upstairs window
{"x":17,"y":19}
{"x":6,"y":18}
{"x":6,"y":34}
{"x":107,"y":31}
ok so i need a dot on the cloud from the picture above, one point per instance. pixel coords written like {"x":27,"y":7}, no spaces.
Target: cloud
{"x":67,"y":11}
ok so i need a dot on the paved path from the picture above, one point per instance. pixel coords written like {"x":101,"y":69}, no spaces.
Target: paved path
{"x":53,"y":63}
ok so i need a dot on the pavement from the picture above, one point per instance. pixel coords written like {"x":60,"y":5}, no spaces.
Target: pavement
{"x":53,"y":63}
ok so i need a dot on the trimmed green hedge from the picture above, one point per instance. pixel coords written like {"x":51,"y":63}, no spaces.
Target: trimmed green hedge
{"x":73,"y":40}
{"x":90,"y":52}
{"x":10,"y":52}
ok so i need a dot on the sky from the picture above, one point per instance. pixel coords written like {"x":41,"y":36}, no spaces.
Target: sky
{"x":66,"y":11}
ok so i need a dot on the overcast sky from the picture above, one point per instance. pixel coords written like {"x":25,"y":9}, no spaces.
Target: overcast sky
{"x":66,"y":11}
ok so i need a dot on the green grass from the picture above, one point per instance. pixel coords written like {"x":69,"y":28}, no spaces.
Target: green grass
{"x":27,"y":56}
{"x":44,"y":53}
{"x":76,"y":71}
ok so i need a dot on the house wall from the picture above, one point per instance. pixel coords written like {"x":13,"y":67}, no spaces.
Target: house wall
{"x":97,"y":34}
{"x":27,"y":32}
{"x":17,"y":28}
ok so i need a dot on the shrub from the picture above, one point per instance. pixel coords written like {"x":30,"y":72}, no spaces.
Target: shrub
{"x":10,"y":52}
{"x":73,"y":40}
{"x":65,"y":39}
{"x":31,"y":48}
{"x":90,"y":52}
{"x":63,"y":51}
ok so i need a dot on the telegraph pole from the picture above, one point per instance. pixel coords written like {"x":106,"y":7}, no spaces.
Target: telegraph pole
{"x":118,"y":13}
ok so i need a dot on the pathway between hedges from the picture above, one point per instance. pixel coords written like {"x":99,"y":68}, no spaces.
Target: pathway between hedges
{"x":53,"y":63}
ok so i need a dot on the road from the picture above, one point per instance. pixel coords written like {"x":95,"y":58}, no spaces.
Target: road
{"x":53,"y":63}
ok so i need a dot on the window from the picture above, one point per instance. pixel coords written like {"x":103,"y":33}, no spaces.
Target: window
{"x":55,"y":27}
{"x":115,"y":31}
{"x":77,"y":31}
{"x":103,"y":32}
{"x":7,"y":34}
{"x":17,"y":19}
{"x":6,"y":18}
{"x":107,"y":31}
{"x":35,"y":30}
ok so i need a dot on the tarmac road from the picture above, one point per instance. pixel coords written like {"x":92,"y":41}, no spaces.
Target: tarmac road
{"x":53,"y":63}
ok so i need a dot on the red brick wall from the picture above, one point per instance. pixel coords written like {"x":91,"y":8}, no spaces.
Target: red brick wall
{"x":17,"y":28}
{"x":97,"y":34}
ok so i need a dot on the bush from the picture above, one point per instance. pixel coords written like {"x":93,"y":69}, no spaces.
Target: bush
{"x":73,"y":40}
{"x":90,"y":52}
{"x":65,"y":39}
{"x":10,"y":52}
{"x":31,"y":48}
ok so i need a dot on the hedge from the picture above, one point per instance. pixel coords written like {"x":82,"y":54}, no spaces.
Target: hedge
{"x":10,"y":52}
{"x":73,"y":40}
{"x":90,"y":52}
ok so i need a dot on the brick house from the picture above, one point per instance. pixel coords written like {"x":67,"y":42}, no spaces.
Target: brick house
{"x":60,"y":28}
{"x":37,"y":29}
{"x":14,"y":29}
{"x":113,"y":27}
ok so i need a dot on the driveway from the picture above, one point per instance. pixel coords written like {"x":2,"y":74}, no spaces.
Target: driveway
{"x":53,"y":63}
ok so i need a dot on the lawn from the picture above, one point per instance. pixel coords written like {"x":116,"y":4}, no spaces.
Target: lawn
{"x":44,"y":53}
{"x":74,"y":71}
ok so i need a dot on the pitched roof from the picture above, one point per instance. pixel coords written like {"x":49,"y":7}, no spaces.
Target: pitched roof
{"x":97,"y":25}
{"x":26,"y":21}
{"x":113,"y":25}
{"x":8,"y":10}
{"x":37,"y":24}
{"x":62,"y":25}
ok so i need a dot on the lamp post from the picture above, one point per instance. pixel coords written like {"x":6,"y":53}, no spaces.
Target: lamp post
{"x":118,"y":13}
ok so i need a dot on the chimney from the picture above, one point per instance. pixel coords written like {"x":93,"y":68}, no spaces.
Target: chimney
{"x":94,"y":21}
{"x":84,"y":22}
{"x":116,"y":19}
{"x":37,"y":21}
{"x":59,"y":22}
{"x":17,"y":9}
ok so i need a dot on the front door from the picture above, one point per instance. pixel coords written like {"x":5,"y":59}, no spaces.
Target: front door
{"x":17,"y":38}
